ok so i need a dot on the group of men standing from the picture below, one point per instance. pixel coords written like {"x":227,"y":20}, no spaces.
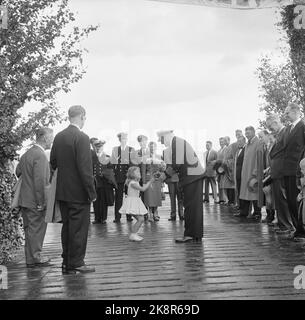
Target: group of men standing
{"x":76,"y":187}
{"x":261,"y":170}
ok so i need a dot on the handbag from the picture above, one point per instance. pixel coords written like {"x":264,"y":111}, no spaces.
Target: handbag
{"x":16,"y":190}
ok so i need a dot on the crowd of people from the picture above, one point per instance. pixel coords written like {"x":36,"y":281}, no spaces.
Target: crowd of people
{"x":262,"y":170}
{"x":255,"y":171}
{"x":79,"y":173}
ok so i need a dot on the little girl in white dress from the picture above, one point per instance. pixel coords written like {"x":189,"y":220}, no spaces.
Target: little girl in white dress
{"x":133,"y":204}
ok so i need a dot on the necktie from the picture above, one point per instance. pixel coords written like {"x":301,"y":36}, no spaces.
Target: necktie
{"x":291,"y":128}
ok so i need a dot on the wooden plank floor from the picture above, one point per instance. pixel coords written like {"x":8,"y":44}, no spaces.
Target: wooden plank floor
{"x":237,"y":260}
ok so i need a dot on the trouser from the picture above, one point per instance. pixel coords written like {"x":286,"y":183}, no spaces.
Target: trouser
{"x":74,"y":232}
{"x":246,"y":207}
{"x":100,"y":205}
{"x":175,"y":193}
{"x":118,"y":201}
{"x":34,"y":231}
{"x":281,"y":205}
{"x":290,"y":183}
{"x":231,"y":195}
{"x":207,"y":182}
{"x":270,"y":215}
{"x":193,"y":209}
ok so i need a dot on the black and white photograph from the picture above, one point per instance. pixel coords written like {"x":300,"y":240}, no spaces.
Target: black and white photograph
{"x":152,"y":152}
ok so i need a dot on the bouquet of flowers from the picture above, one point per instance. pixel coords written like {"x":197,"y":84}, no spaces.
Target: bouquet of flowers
{"x":155,"y":167}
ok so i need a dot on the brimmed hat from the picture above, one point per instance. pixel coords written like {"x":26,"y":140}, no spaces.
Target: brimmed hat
{"x":253,"y":185}
{"x":163,"y":133}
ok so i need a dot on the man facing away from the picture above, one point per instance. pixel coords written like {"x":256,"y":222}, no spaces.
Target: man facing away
{"x":34,"y":170}
{"x":210,"y":157}
{"x":75,"y":189}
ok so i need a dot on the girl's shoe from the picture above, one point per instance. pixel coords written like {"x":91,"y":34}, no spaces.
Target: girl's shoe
{"x":156,"y":218}
{"x":135,"y":237}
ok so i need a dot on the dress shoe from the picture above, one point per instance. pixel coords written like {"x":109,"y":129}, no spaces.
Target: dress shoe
{"x":184,"y":240}
{"x":116,"y":221}
{"x":43,"y":262}
{"x":172,"y":219}
{"x":135,"y":237}
{"x":104,"y":222}
{"x":83,"y":269}
{"x":181,"y":218}
{"x":279,"y":231}
{"x":156,"y":218}
{"x":206,"y":201}
{"x":298,"y":239}
{"x":96,"y":222}
{"x":67,"y":271}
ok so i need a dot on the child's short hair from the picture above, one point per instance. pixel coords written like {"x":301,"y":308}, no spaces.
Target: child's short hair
{"x":131,"y":174}
{"x":302,"y":163}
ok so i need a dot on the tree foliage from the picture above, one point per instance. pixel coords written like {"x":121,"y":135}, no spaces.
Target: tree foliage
{"x":40,"y":55}
{"x":284,"y":81}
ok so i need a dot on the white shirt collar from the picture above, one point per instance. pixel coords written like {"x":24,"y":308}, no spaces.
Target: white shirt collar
{"x":39,"y":146}
{"x":295,"y":122}
{"x":75,"y":125}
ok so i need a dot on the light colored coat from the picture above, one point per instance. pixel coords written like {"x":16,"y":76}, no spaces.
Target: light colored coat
{"x":228,"y":165}
{"x":35,"y":172}
{"x":209,"y":163}
{"x":248,"y":169}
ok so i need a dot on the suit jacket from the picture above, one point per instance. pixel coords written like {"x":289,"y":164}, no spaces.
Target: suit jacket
{"x":71,"y":154}
{"x":276,"y":155}
{"x":210,"y":162}
{"x":295,"y":144}
{"x":184,"y":162}
{"x":35,"y":172}
{"x":122,"y":160}
{"x":239,"y":160}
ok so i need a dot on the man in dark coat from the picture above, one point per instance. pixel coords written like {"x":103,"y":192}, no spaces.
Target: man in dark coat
{"x":190,"y":172}
{"x":122,"y":158}
{"x":75,"y":189}
{"x":276,"y":154}
{"x":104,"y":182}
{"x":294,"y":147}
{"x":34,"y":171}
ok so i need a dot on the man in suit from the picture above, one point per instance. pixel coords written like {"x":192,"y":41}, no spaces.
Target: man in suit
{"x":122,"y":158}
{"x":239,"y":159}
{"x":210,"y":157}
{"x":277,"y":154}
{"x":186,"y":163}
{"x":34,"y":170}
{"x":249,"y":196}
{"x":75,"y":189}
{"x":295,"y":144}
{"x":174,"y":190}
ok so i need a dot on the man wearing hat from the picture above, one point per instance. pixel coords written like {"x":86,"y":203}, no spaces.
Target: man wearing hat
{"x":122,"y":158}
{"x":185,"y":162}
{"x":104,"y":185}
